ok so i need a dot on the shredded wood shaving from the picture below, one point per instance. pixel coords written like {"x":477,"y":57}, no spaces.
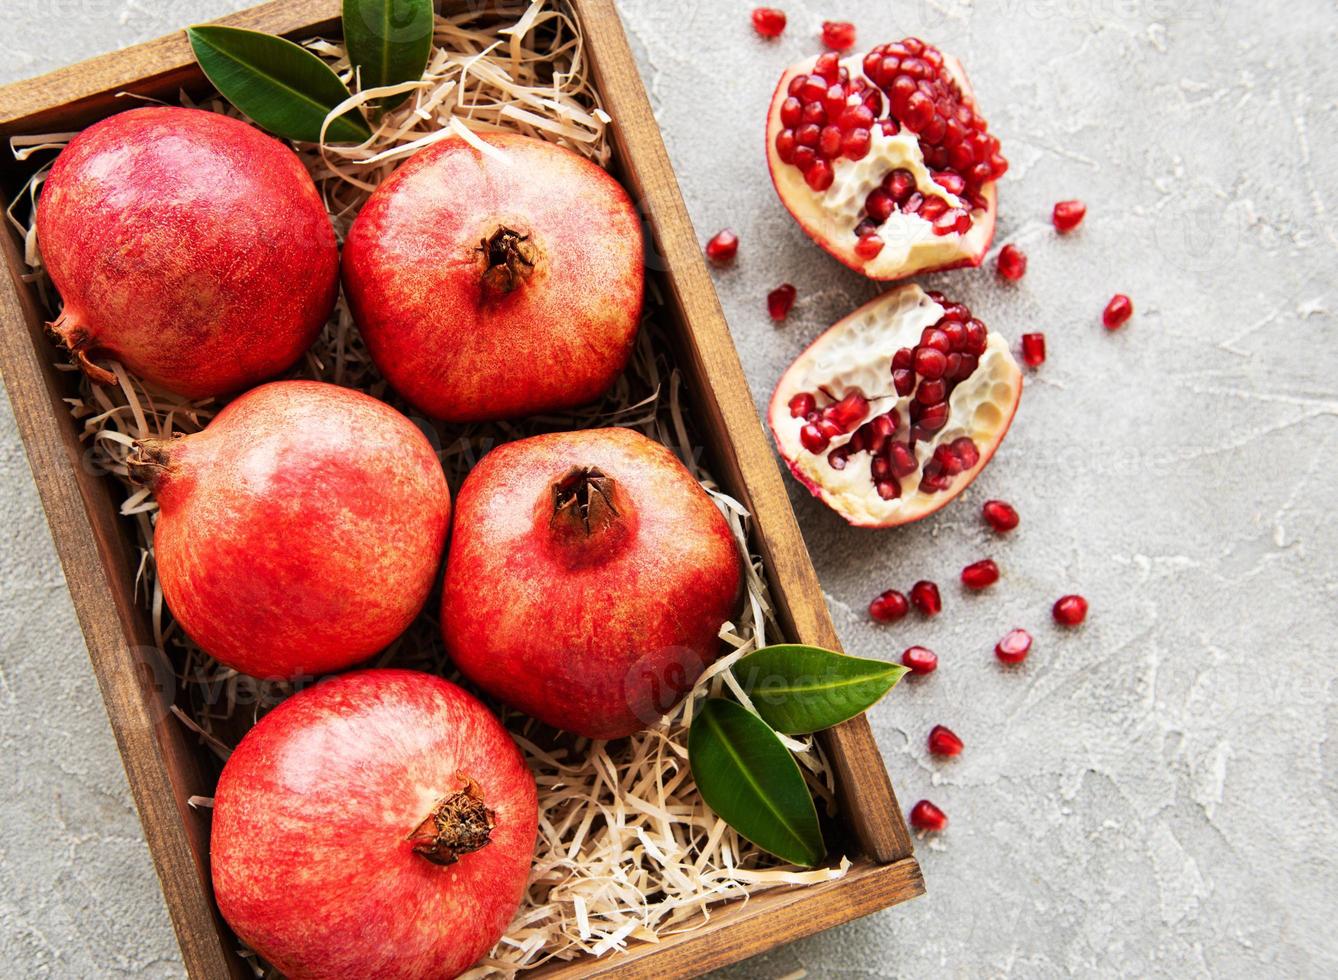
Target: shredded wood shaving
{"x":627,"y":851}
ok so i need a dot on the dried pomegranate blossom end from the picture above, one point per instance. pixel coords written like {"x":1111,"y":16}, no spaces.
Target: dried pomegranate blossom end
{"x":829,"y":115}
{"x":508,"y":258}
{"x":458,"y":824}
{"x":768,"y":21}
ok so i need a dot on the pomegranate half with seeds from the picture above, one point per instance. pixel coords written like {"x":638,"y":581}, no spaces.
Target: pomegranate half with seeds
{"x":885,"y":160}
{"x":894,"y":411}
{"x":379,"y":824}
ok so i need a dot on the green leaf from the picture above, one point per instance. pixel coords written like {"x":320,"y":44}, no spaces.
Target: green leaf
{"x":389,"y":41}
{"x":283,"y":87}
{"x":748,"y":777}
{"x":799,"y":689}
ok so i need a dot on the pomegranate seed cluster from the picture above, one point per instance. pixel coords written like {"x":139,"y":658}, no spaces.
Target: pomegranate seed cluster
{"x":828,"y":115}
{"x":948,"y":353}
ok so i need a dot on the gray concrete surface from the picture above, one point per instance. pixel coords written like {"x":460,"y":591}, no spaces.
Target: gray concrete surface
{"x":1154,"y":794}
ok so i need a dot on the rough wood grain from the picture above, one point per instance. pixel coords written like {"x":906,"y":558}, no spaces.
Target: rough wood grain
{"x":161,"y":764}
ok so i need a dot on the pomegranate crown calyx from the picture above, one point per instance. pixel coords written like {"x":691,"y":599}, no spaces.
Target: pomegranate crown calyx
{"x":508,"y":261}
{"x":584,"y":497}
{"x":148,"y":461}
{"x":458,"y":824}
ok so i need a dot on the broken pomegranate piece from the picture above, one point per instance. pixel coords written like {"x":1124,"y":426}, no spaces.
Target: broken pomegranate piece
{"x":884,"y":159}
{"x":893,"y":411}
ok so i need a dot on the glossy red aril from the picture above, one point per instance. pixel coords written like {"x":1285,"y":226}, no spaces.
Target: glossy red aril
{"x":357,"y":805}
{"x":723,"y":246}
{"x":1117,"y":312}
{"x":300,"y":532}
{"x":779,"y":301}
{"x":889,"y":606}
{"x":980,"y":574}
{"x":500,"y":284}
{"x":1070,"y":610}
{"x":839,"y":35}
{"x":1012,"y":263}
{"x":189,"y":246}
{"x":768,"y":21}
{"x":921,"y":660}
{"x":925,"y":597}
{"x":926,"y":816}
{"x":999,"y":515}
{"x":1068,"y":215}
{"x":906,"y":400}
{"x":944,"y":741}
{"x":884,"y":158}
{"x":1033,"y":349}
{"x":1014,"y":646}
{"x":588,"y":577}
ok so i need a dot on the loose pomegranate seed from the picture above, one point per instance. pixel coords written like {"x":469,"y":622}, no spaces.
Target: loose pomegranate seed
{"x":921,"y":660}
{"x":779,"y":301}
{"x":1033,"y":349}
{"x":1070,"y":610}
{"x":838,"y":35}
{"x":944,"y":741}
{"x":1068,"y":215}
{"x":723,"y":246}
{"x":1117,"y":312}
{"x":999,"y":515}
{"x":925,"y":597}
{"x":1012,"y":263}
{"x":889,"y":606}
{"x":1014,"y":647}
{"x":981,"y":574}
{"x":768,"y":21}
{"x":926,"y":816}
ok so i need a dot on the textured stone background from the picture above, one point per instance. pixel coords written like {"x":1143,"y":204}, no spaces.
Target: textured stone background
{"x":1153,"y":794}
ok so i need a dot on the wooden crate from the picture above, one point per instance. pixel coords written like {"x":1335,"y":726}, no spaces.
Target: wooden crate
{"x":163,"y":762}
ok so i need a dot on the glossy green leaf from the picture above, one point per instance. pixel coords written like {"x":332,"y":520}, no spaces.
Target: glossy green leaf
{"x":748,"y":777}
{"x":799,"y":689}
{"x":389,"y":41}
{"x":284,"y":88}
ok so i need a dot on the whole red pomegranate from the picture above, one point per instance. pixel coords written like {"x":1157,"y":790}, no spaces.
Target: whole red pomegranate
{"x":189,"y":246}
{"x":893,"y":411}
{"x":885,"y":160}
{"x":588,"y":578}
{"x":379,"y":824}
{"x":301,"y":531}
{"x":495,"y":285}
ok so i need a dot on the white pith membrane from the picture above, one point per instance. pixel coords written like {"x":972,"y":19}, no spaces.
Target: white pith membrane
{"x":831,"y":216}
{"x":856,"y":355}
{"x":627,"y":851}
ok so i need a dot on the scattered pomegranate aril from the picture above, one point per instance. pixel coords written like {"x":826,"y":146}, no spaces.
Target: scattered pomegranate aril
{"x":1033,"y":349}
{"x":889,"y":606}
{"x":1068,"y":215}
{"x":925,"y":597}
{"x":723,"y":246}
{"x":768,"y":21}
{"x":839,"y":35}
{"x":980,"y":574}
{"x":1014,"y":646}
{"x":944,"y":741}
{"x":1012,"y":263}
{"x":921,"y":660}
{"x":1070,"y":610}
{"x":926,"y":816}
{"x":999,"y":515}
{"x":779,"y":301}
{"x":1117,"y":312}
